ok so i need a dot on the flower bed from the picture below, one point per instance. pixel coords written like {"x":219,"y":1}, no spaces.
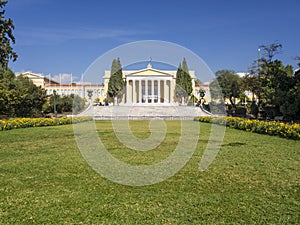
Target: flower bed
{"x":281,"y":129}
{"x":38,"y":122}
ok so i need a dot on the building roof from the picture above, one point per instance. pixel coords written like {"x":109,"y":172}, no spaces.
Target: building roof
{"x":75,"y":85}
{"x":148,"y":71}
{"x":34,"y":76}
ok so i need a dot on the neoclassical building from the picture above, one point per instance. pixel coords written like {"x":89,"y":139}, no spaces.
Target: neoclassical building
{"x":37,"y":79}
{"x":150,"y":86}
{"x":143,"y":87}
{"x":81,"y":89}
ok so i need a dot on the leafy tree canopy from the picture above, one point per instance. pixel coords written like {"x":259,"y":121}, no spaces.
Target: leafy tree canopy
{"x":230,"y":84}
{"x":67,"y":103}
{"x":269,"y":51}
{"x":276,"y":85}
{"x":19,"y":97}
{"x":6,"y":38}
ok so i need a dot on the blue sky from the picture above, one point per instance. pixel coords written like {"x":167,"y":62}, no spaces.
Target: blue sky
{"x":66,"y":36}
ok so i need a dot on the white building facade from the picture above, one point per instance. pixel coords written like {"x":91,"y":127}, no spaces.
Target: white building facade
{"x":146,"y":86}
{"x":149,"y":86}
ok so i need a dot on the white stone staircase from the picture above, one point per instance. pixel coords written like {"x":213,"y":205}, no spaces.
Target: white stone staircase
{"x":149,"y":112}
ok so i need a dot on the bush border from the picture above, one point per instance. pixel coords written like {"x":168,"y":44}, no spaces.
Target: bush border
{"x":39,"y":122}
{"x":273,"y":128}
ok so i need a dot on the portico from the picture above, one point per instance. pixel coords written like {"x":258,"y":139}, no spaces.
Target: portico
{"x":146,"y":89}
{"x":147,"y":86}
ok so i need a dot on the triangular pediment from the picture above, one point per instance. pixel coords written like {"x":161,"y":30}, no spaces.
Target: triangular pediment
{"x":149,"y":72}
{"x":35,"y":76}
{"x":31,"y":75}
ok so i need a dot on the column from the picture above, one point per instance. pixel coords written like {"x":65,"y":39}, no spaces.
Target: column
{"x":140,"y":91}
{"x":127,"y":91}
{"x":133,"y":92}
{"x":158,"y":91}
{"x":152,"y":91}
{"x":171,"y":90}
{"x":165,"y":89}
{"x":146,"y":91}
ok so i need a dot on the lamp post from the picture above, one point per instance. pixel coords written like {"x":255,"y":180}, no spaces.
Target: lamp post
{"x":202,"y":94}
{"x":193,"y":100}
{"x":90,"y":94}
{"x":258,"y":60}
{"x":258,"y":75}
{"x":54,"y":103}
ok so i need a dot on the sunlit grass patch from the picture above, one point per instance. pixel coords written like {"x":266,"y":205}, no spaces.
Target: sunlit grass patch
{"x":45,"y":180}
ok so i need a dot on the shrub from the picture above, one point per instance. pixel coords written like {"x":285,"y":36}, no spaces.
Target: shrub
{"x":281,"y":129}
{"x":38,"y":122}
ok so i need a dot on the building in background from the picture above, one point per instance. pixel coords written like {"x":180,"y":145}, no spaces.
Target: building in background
{"x":81,"y":89}
{"x":38,"y":79}
{"x":152,"y":86}
{"x":144,"y":86}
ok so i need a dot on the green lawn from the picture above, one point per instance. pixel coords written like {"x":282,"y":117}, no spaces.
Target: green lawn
{"x":45,"y":180}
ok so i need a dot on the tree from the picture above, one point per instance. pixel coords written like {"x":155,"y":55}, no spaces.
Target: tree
{"x":19,"y":97}
{"x":31,"y":98}
{"x":298,"y":59}
{"x":6,"y":38}
{"x":184,"y":86}
{"x":198,"y":81}
{"x":269,"y":51}
{"x":266,"y":74}
{"x":275,"y":82}
{"x":251,"y":83}
{"x":116,"y":82}
{"x":185,"y":66}
{"x":287,"y":91}
{"x":187,"y":80}
{"x":178,"y":89}
{"x":230,"y":84}
{"x":68,"y":103}
{"x":297,"y":93}
{"x":116,"y":66}
{"x":7,"y":85}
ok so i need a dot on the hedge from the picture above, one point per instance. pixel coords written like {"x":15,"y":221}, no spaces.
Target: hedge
{"x":38,"y":122}
{"x":291,"y":131}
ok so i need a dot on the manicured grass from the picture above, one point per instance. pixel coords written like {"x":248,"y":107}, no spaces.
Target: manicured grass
{"x":45,"y":180}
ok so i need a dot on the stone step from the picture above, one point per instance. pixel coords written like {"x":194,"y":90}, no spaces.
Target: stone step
{"x":143,"y":112}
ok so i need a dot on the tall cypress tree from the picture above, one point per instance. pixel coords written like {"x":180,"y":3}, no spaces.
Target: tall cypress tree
{"x":119,"y":66}
{"x":187,"y":80}
{"x":178,"y":74}
{"x":184,"y":86}
{"x":116,"y":82}
{"x":114,"y":67}
{"x":179,"y":82}
{"x":185,"y":67}
{"x":119,"y":74}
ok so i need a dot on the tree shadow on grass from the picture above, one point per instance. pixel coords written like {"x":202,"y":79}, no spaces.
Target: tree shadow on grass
{"x":234,"y":144}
